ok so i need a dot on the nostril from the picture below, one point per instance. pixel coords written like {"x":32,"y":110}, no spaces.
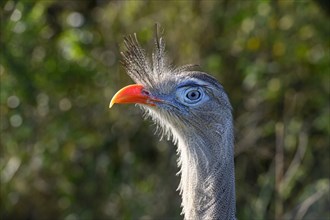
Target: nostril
{"x":145,"y":92}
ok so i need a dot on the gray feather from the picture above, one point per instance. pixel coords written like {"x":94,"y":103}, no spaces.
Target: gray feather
{"x":203,"y":134}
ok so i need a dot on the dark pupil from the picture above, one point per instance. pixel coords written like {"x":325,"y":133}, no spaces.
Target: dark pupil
{"x":193,"y":95}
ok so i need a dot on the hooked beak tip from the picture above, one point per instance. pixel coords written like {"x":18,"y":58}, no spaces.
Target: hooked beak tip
{"x":111,"y":103}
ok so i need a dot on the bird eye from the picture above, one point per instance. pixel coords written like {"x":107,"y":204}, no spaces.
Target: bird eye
{"x":191,"y":95}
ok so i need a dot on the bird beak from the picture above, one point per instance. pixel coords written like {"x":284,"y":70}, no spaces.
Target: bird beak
{"x":133,"y":94}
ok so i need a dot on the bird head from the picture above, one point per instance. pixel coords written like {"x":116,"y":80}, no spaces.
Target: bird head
{"x":192,"y":107}
{"x":180,"y":100}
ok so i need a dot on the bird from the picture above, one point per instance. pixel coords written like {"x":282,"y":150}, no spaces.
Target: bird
{"x":191,"y":108}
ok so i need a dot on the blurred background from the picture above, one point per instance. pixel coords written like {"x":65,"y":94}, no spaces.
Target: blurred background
{"x":65,"y":155}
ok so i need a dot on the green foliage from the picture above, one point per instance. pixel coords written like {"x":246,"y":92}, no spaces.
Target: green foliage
{"x":65,"y":155}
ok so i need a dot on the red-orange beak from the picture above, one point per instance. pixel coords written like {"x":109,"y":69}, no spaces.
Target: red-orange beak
{"x":133,"y":94}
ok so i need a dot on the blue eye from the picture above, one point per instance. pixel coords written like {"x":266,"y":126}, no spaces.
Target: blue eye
{"x":190,"y":95}
{"x":193,"y":95}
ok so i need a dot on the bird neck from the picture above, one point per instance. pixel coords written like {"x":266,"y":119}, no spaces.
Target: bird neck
{"x":207,"y":183}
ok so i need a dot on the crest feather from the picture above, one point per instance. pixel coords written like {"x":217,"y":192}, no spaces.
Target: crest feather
{"x":137,"y":64}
